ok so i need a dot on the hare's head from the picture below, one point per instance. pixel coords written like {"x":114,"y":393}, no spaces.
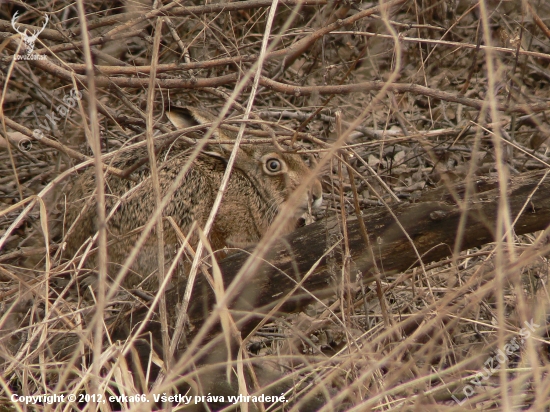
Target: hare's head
{"x":273,"y":174}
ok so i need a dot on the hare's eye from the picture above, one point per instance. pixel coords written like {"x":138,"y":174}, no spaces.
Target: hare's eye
{"x":273,"y":165}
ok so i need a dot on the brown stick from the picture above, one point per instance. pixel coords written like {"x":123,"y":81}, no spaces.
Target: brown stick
{"x":52,"y":34}
{"x":197,"y":83}
{"x":58,"y":146}
{"x":538,"y":21}
{"x":398,"y":87}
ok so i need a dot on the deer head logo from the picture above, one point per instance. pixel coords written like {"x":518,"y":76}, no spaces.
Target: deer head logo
{"x":28,"y":38}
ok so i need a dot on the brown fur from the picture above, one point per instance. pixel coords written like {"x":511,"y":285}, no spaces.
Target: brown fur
{"x":250,"y":204}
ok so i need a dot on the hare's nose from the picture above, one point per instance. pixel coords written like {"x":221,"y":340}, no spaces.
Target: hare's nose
{"x":316,"y":194}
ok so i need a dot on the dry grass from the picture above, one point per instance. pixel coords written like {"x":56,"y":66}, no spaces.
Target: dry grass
{"x":420,"y":95}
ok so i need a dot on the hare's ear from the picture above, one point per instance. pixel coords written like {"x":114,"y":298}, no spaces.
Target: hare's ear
{"x":187,"y":116}
{"x":183,"y":117}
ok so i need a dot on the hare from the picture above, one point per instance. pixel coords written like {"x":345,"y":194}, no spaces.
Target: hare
{"x":261,"y":181}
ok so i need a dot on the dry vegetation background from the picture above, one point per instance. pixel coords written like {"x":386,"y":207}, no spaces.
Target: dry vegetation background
{"x":430,"y":93}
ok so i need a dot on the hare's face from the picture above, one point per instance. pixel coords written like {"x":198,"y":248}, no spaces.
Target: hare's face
{"x":263,"y":178}
{"x":277,"y":176}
